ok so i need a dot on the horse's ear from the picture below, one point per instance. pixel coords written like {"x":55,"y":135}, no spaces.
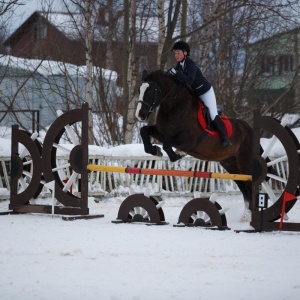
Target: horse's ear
{"x":144,"y":75}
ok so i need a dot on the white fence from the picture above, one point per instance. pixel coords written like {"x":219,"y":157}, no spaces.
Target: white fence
{"x":112,"y":184}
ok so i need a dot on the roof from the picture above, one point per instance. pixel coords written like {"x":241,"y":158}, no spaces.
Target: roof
{"x":72,"y":26}
{"x":52,"y":68}
{"x":276,"y":35}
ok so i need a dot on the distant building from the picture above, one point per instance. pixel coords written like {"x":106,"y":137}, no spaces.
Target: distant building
{"x":275,"y":63}
{"x":43,"y":86}
{"x":58,"y":37}
{"x":48,"y":37}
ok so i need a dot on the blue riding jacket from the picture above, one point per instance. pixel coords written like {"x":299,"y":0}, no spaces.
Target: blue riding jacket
{"x":193,"y":76}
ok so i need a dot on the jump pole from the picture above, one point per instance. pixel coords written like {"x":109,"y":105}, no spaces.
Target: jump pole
{"x":161,"y":172}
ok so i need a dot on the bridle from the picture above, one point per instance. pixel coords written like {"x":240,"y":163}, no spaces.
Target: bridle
{"x":156,"y":102}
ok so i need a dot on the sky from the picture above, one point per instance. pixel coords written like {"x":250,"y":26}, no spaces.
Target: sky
{"x":28,"y":7}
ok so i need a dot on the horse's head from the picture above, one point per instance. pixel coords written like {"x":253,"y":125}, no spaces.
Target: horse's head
{"x":149,"y":98}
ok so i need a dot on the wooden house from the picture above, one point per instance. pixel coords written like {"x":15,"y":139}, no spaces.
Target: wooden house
{"x":60,"y":37}
{"x":41,"y":87}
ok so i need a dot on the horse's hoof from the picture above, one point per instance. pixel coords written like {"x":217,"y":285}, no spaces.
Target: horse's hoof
{"x":175,"y":157}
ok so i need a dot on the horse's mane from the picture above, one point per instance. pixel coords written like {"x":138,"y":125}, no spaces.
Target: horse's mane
{"x":153,"y":76}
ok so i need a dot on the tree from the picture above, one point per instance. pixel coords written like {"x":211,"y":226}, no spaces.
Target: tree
{"x":132,"y":74}
{"x":161,"y":30}
{"x":8,"y":6}
{"x":183,"y":19}
{"x":85,"y":7}
{"x":6,"y":10}
{"x":221,"y":30}
{"x":171,"y":24}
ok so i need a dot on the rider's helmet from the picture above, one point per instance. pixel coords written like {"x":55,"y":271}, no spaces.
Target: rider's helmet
{"x":181,"y":46}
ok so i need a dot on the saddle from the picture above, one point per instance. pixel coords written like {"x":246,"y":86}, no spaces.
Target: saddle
{"x":207,"y":124}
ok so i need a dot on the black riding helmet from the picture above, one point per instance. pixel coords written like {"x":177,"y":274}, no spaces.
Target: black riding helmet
{"x":182,"y":46}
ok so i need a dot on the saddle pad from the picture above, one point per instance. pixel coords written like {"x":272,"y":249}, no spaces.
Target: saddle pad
{"x":203,"y":123}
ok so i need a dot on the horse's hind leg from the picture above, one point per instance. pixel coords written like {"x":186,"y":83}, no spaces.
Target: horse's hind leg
{"x":232,"y":165}
{"x":246,"y":189}
{"x":146,"y":132}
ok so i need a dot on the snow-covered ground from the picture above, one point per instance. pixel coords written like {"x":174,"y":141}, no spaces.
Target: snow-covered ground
{"x":44,"y":257}
{"x":47,"y":258}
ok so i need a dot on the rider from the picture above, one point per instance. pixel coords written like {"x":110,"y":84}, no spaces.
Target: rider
{"x":190,"y":72}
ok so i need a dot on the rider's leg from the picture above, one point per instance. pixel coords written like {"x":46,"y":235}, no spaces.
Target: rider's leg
{"x":209,"y":99}
{"x":210,"y":102}
{"x":222,"y":130}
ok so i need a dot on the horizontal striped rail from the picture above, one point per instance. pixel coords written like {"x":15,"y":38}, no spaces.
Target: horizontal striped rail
{"x":160,"y":172}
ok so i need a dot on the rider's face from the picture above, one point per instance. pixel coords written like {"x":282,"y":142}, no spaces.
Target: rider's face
{"x":179,"y":55}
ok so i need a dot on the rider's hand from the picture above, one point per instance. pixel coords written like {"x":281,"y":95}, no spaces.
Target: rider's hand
{"x":172,"y":71}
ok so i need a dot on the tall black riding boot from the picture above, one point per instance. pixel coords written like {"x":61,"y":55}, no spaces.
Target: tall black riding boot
{"x":222,"y":130}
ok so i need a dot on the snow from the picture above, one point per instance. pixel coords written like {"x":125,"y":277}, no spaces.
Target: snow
{"x":47,"y":258}
{"x":51,"y":68}
{"x":44,"y":257}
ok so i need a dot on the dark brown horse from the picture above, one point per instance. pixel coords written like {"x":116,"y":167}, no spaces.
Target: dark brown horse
{"x":177,"y":126}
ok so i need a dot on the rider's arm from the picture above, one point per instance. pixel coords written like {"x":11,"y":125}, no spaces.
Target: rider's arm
{"x":189,"y":78}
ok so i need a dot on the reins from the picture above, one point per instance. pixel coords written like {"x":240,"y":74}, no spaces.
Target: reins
{"x":167,"y":94}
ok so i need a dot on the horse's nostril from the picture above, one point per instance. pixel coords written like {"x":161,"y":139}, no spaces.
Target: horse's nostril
{"x":142,"y":117}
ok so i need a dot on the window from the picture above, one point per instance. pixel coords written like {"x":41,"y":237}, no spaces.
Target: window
{"x":8,"y":50}
{"x":267,"y":65}
{"x":41,"y":31}
{"x":285,"y":64}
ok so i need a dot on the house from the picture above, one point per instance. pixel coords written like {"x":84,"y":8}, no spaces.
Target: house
{"x":275,"y":62}
{"x":38,"y":88}
{"x":60,"y":37}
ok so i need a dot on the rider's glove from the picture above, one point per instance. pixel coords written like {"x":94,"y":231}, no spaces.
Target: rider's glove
{"x":172,"y":71}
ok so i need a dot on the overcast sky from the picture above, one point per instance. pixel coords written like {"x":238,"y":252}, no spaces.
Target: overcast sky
{"x":28,"y":7}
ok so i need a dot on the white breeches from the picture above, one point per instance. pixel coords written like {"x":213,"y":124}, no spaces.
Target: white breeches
{"x":209,"y":99}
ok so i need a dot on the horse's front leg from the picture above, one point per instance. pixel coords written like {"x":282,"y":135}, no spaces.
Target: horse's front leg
{"x":146,"y":133}
{"x":167,"y":146}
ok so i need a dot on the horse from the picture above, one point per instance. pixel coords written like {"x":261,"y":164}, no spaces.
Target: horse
{"x":177,"y":126}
